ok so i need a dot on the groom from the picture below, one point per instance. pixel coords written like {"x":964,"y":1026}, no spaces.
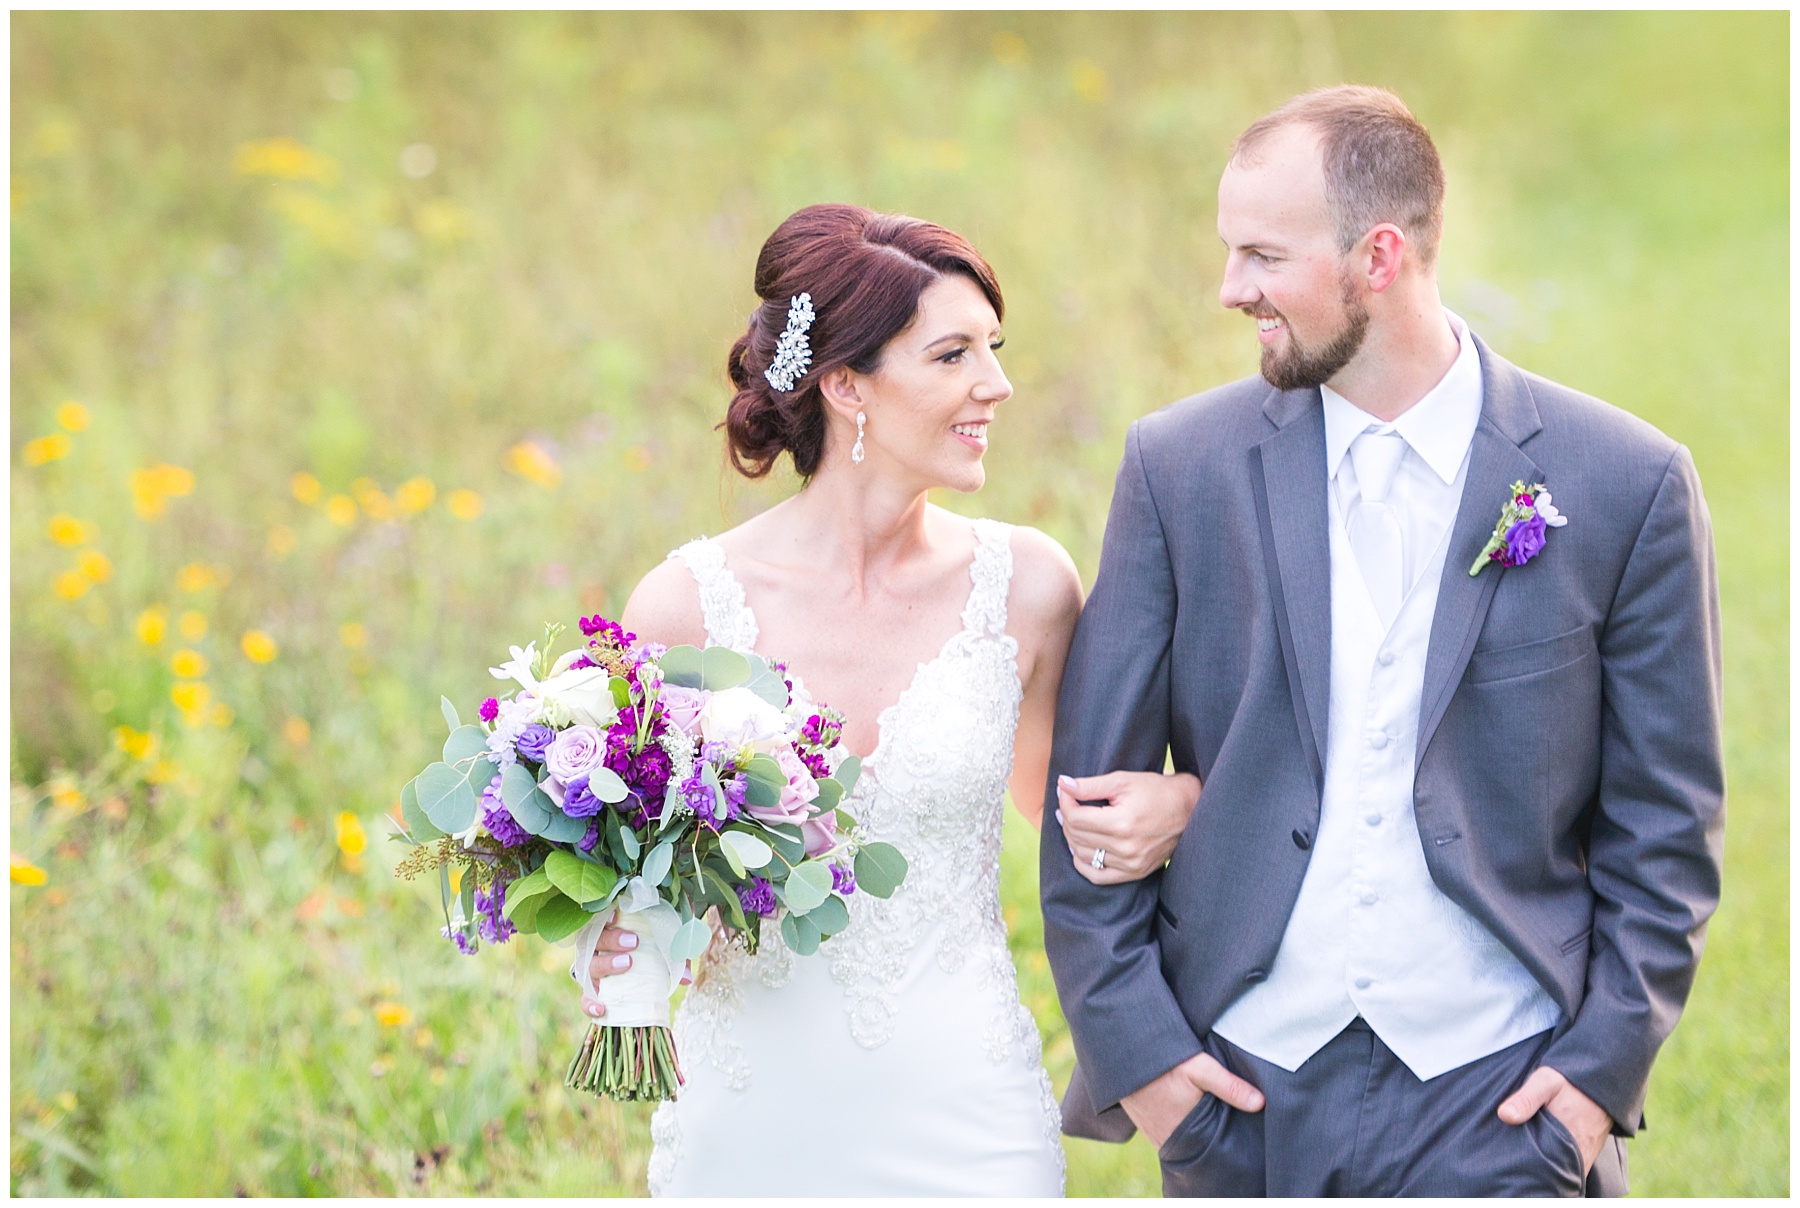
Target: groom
{"x":1446,"y":887}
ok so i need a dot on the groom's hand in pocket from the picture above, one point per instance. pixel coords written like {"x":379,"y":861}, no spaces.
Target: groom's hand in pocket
{"x":1158,"y":1107}
{"x":1138,"y":825}
{"x":1547,"y":1090}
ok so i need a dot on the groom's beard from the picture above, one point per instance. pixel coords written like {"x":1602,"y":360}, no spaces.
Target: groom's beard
{"x":1303,"y":368}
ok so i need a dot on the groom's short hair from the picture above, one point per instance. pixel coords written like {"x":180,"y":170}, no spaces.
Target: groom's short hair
{"x":1380,"y":163}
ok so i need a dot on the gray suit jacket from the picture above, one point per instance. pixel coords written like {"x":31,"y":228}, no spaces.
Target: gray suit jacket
{"x":1569,"y":788}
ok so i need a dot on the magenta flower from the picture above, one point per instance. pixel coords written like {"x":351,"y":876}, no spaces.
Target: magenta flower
{"x":490,"y":709}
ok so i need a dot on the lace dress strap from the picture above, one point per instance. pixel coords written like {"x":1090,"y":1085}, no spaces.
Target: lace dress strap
{"x":729,"y":621}
{"x":991,"y":572}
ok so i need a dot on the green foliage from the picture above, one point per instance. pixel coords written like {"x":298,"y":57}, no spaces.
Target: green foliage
{"x":500,"y":369}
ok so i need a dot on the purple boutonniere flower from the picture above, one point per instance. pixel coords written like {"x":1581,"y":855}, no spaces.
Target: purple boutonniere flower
{"x":1522,"y":529}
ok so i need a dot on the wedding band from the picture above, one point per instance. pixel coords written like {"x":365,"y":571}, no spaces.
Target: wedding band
{"x":1099,"y":860}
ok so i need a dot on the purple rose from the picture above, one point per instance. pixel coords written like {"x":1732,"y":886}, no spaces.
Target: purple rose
{"x":1524,"y":540}
{"x":535,"y":741}
{"x":579,"y":800}
{"x":490,"y":709}
{"x":577,"y":751}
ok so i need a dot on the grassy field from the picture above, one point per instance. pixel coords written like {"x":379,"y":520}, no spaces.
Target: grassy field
{"x":348,"y":348}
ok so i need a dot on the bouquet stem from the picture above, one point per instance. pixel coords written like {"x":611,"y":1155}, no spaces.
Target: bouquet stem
{"x":626,"y":1064}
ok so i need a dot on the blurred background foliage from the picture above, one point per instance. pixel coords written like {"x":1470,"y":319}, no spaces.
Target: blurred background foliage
{"x":348,"y":348}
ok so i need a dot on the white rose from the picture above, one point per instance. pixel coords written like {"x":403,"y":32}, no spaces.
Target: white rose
{"x":586,"y":695}
{"x":739,"y":717}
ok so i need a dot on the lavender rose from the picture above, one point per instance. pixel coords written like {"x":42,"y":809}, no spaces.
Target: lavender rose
{"x":1524,"y":540}
{"x":576,"y":751}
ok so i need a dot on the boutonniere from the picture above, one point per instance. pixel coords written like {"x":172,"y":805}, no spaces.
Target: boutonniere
{"x":1519,"y":533}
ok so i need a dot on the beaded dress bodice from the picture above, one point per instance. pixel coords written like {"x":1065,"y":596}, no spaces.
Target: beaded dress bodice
{"x":933,"y":787}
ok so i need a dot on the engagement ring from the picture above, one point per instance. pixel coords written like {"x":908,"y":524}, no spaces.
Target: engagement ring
{"x":1099,"y":860}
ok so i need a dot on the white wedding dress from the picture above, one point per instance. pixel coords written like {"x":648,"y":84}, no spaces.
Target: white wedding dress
{"x":898,"y":1059}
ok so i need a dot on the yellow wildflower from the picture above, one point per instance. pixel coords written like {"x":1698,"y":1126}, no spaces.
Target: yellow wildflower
{"x":353,"y":635}
{"x":66,"y":530}
{"x":352,"y":840}
{"x":73,"y":416}
{"x":72,"y":585}
{"x":392,"y":1015}
{"x":64,"y":795}
{"x":341,"y":509}
{"x":195,"y":576}
{"x":189,"y":664}
{"x":153,"y":487}
{"x":1089,"y":81}
{"x":258,"y":646}
{"x":191,"y":696}
{"x":423,"y":1038}
{"x":221,"y":715}
{"x":464,"y":504}
{"x":375,"y":503}
{"x":24,"y":872}
{"x":456,"y":876}
{"x":95,"y":565}
{"x":163,"y":770}
{"x":414,"y":495}
{"x":53,"y":447}
{"x":152,"y":623}
{"x":285,"y":159}
{"x":139,"y":744}
{"x":297,"y":731}
{"x":281,"y":541}
{"x":192,"y":625}
{"x":442,"y":220}
{"x":305,"y":487}
{"x":528,"y":459}
{"x":1010,"y":48}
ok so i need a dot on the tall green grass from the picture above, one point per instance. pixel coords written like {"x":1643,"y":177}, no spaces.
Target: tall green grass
{"x":217,"y":988}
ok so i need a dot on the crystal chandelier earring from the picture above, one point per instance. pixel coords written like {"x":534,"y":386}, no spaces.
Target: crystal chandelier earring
{"x":856,"y":450}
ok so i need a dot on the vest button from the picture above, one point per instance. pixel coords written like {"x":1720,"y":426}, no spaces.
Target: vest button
{"x":1256,"y":975}
{"x":1363,"y":983}
{"x":1302,"y":840}
{"x":1385,"y":658}
{"x":1378,"y":740}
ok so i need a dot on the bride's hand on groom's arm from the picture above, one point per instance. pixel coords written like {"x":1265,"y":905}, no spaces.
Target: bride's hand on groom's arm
{"x":1138,"y":829}
{"x":1157,"y":1108}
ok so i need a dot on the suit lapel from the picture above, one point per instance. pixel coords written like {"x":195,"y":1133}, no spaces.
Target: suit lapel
{"x":1290,"y":471}
{"x":1508,"y":418}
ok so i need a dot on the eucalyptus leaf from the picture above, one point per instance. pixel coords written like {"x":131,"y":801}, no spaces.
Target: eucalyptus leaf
{"x":764,"y":682}
{"x":830,"y":793}
{"x":801,"y":935}
{"x":722,"y":667}
{"x":530,"y":806}
{"x":629,"y":840}
{"x":727,"y":896}
{"x":732,"y":858}
{"x":788,"y":842}
{"x":808,"y":885}
{"x":830,"y":916}
{"x":750,"y":851}
{"x":564,"y":829}
{"x":464,"y":743}
{"x":682,"y":666}
{"x":880,"y":868}
{"x":560,"y":917}
{"x":417,"y":823}
{"x":605,"y":784}
{"x":848,"y":772}
{"x":658,"y":862}
{"x":579,"y":879}
{"x":446,"y":798}
{"x":450,"y":717}
{"x":691,"y":939}
{"x":762,"y":767}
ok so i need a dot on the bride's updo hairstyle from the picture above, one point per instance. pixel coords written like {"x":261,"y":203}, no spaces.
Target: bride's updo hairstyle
{"x":865,"y":272}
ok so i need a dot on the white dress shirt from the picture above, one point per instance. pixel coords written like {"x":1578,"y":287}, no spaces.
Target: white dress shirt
{"x":1371,"y":934}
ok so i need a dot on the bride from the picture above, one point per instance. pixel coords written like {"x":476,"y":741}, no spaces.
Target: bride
{"x":898,"y":1060}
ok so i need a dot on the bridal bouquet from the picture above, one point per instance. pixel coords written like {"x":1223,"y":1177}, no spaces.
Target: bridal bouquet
{"x":663,"y":786}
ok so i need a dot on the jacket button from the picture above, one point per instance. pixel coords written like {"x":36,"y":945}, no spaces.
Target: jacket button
{"x":1256,"y":975}
{"x":1302,"y":840}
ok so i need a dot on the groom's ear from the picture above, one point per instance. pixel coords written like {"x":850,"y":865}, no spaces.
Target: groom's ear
{"x":1386,"y":244}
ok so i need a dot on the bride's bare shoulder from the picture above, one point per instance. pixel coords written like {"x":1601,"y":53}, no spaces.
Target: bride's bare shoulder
{"x":1046,"y":587}
{"x":665,"y":606}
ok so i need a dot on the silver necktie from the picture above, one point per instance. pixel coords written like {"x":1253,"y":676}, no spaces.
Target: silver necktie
{"x":1373,"y":527}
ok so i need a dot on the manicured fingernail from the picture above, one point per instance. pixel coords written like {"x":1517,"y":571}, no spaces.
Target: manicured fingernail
{"x":1059,"y":818}
{"x":1067,"y":782}
{"x":593,"y":1010}
{"x":627,"y":940}
{"x":621,"y":961}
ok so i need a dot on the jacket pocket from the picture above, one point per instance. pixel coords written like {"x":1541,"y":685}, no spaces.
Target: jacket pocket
{"x":1531,"y":658}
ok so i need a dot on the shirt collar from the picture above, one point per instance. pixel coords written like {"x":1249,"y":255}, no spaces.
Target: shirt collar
{"x":1439,"y":427}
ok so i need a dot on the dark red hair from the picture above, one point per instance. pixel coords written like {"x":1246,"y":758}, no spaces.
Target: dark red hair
{"x":865,"y":272}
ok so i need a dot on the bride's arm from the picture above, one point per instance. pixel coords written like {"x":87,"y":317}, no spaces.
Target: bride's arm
{"x":1042,"y":608}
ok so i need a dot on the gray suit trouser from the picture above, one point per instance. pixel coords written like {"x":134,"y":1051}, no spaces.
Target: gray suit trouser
{"x":1354,"y":1121}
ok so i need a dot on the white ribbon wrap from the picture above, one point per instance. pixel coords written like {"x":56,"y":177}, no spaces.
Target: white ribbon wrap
{"x":638,"y":997}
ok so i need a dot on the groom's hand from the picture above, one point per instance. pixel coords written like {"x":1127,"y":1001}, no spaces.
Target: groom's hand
{"x":1548,"y":1090}
{"x":1158,"y":1107}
